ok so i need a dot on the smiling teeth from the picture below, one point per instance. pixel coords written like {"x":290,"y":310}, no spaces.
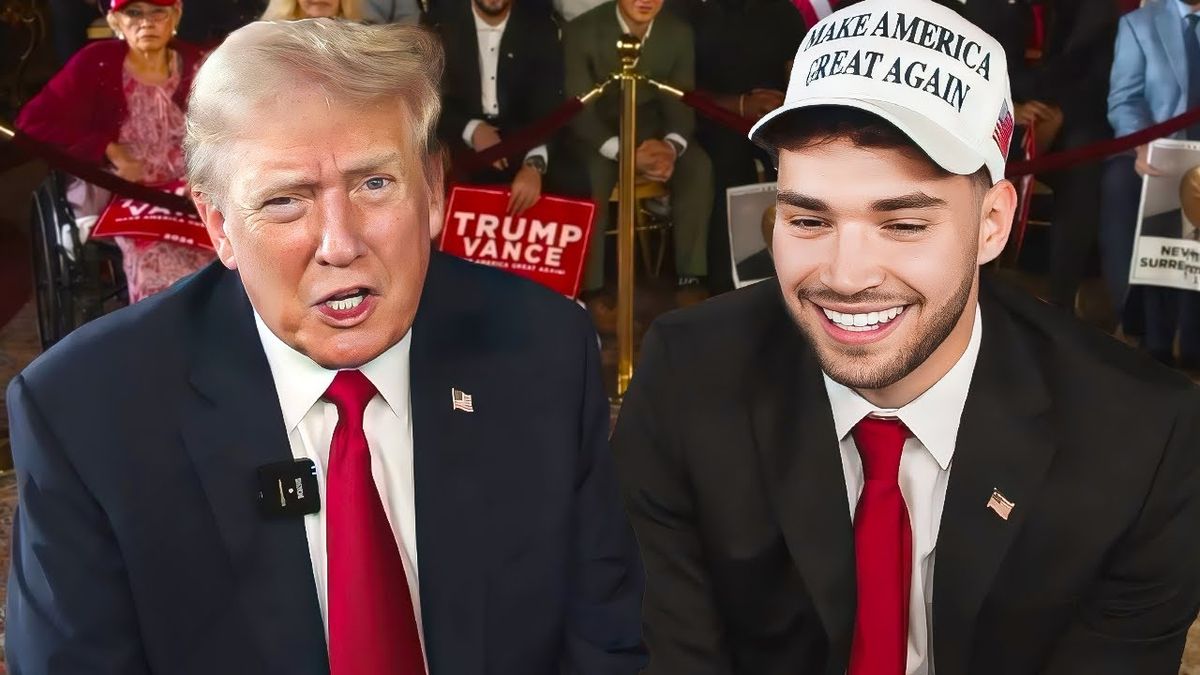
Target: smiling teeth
{"x":345,"y":304}
{"x":863,"y":322}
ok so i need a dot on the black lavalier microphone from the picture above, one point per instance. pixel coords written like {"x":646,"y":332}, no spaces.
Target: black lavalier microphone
{"x":288,"y":488}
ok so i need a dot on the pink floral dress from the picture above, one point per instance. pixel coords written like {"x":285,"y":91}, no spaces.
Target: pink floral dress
{"x":153,"y":133}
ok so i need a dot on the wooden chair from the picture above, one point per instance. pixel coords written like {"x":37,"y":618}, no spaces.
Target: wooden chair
{"x":648,"y":224}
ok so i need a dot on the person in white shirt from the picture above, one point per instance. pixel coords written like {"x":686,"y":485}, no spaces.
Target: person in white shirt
{"x":504,"y":74}
{"x":888,"y":462}
{"x":336,"y":451}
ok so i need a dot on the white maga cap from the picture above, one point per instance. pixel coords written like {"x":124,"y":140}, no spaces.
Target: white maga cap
{"x":936,"y":76}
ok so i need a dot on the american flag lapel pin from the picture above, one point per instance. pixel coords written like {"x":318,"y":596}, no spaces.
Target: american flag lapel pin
{"x":1000,"y":504}
{"x":461,"y":400}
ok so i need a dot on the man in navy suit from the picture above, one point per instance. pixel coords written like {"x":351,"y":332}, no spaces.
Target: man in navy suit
{"x":462,"y":529}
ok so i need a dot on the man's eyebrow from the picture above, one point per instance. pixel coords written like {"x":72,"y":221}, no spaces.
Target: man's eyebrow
{"x":290,"y":182}
{"x":800,"y":201}
{"x":915,"y":200}
{"x":372,"y":163}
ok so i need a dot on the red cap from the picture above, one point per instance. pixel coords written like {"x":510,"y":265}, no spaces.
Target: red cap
{"x":118,"y":5}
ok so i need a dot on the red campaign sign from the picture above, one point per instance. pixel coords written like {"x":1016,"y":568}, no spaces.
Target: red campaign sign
{"x":546,"y":243}
{"x":126,"y":217}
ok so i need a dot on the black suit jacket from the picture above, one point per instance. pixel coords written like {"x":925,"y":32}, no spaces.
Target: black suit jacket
{"x":529,"y":77}
{"x":1077,"y":54}
{"x":731,"y":472}
{"x":139,"y":547}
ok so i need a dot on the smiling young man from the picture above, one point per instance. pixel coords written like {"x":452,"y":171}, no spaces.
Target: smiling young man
{"x":437,"y":524}
{"x":798,"y":455}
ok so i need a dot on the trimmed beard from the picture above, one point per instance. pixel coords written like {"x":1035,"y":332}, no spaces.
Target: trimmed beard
{"x":942,"y":323}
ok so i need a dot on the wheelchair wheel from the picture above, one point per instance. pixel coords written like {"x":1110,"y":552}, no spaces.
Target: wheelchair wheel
{"x":71,"y":289}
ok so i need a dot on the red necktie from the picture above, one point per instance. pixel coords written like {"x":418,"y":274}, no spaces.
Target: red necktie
{"x":883,"y":552}
{"x":372,"y":627}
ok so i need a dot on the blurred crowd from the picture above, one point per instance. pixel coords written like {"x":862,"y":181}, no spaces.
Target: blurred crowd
{"x":1082,"y":72}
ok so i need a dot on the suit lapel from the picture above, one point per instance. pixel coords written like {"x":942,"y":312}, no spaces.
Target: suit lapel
{"x":448,"y":474}
{"x":1170,"y":31}
{"x":799,"y":452}
{"x":233,"y":426}
{"x":1003,"y":444}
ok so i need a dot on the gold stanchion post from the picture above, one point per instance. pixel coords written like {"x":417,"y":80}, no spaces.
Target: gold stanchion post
{"x":629,"y":48}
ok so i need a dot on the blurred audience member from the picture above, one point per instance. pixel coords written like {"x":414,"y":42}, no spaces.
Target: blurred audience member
{"x":69,"y":21}
{"x":1155,"y":76}
{"x":666,"y":146}
{"x":504,"y":73}
{"x":290,"y":10}
{"x":391,"y":11}
{"x":1061,"y":94}
{"x":743,"y":52}
{"x":121,"y":102}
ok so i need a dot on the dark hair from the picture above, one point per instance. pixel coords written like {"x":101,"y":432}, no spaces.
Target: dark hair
{"x":819,"y":125}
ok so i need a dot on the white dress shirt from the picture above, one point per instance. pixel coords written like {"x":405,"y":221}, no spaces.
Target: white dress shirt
{"x":612,"y":147}
{"x":489,"y":37}
{"x":933,"y":419}
{"x":387,"y":422}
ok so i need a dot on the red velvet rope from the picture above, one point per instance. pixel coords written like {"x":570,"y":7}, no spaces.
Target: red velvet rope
{"x":710,"y":109}
{"x":96,"y":175}
{"x":1097,"y":151}
{"x":519,"y":142}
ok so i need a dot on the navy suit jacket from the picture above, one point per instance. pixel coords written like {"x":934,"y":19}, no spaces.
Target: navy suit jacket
{"x":139,"y":548}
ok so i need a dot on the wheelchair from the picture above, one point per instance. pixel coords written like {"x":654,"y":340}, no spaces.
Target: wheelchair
{"x":74,"y":281}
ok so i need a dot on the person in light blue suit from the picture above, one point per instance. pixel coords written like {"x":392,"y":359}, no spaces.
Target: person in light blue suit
{"x":1155,"y":76}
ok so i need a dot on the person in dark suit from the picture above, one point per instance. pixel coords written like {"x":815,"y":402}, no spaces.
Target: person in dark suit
{"x":503,"y":74}
{"x":897,"y":465}
{"x":460,"y":529}
{"x":666,"y":148}
{"x":1062,"y":95}
{"x":743,"y":48}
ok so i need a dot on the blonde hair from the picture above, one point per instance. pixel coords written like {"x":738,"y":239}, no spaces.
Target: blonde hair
{"x":289,"y":10}
{"x":350,"y":63}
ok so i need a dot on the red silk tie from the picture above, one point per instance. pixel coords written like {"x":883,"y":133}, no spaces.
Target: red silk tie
{"x":883,"y":552}
{"x":372,"y":627}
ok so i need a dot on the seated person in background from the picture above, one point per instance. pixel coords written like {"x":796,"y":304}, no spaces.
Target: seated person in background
{"x":504,"y":73}
{"x":450,"y":417}
{"x":1061,"y":96}
{"x":666,"y":147}
{"x":1157,"y":55}
{"x":290,"y":10}
{"x":743,"y":50}
{"x":121,"y":103}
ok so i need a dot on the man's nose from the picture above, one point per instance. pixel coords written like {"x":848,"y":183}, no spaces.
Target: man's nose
{"x":854,"y":265}
{"x":341,"y":231}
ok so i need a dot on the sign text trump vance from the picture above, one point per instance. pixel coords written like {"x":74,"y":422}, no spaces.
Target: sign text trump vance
{"x":519,"y":240}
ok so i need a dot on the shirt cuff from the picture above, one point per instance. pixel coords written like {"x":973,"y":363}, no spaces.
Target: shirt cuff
{"x":683,"y":144}
{"x":611,"y":148}
{"x":469,"y":132}
{"x":540,"y":151}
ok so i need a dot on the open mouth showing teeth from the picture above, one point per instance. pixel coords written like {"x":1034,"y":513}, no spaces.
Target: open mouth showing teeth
{"x":860,"y":323}
{"x":347,"y":301}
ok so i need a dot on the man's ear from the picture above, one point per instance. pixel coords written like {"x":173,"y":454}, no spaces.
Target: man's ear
{"x":995,"y":220}
{"x":214,"y":223}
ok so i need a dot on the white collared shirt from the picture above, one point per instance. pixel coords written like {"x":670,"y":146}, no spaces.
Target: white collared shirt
{"x":387,"y":422}
{"x":489,"y":38}
{"x":933,"y":418}
{"x":612,"y":147}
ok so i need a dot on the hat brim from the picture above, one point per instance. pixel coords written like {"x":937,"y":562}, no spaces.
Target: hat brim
{"x":949,"y":151}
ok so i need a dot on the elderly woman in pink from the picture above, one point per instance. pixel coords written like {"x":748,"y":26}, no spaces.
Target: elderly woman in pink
{"x":121,"y":103}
